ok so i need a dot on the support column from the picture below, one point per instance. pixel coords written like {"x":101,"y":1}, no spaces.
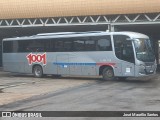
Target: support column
{"x":0,"y":52}
{"x":111,"y":28}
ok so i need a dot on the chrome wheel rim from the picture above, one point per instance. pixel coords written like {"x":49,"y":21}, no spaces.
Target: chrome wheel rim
{"x":109,"y":73}
{"x":37,"y":71}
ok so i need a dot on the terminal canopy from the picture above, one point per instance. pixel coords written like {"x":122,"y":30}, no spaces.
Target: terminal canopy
{"x":14,"y":9}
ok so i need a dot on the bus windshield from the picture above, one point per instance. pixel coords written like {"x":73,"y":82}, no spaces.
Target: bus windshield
{"x":143,"y":49}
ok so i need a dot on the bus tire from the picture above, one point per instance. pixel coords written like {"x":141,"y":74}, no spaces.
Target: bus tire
{"x":108,"y":73}
{"x":38,"y":71}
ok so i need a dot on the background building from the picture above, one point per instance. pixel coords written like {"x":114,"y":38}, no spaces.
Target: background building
{"x":28,"y":17}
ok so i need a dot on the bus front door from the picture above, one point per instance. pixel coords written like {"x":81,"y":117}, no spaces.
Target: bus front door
{"x":128,"y":69}
{"x":124,"y":52}
{"x":128,"y":64}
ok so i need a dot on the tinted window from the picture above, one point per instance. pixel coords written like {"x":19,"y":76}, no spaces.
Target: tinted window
{"x":34,"y":45}
{"x":79,"y":45}
{"x":27,"y":46}
{"x":103,"y":43}
{"x":59,"y":46}
{"x":67,"y":45}
{"x":97,"y":43}
{"x":123,"y":48}
{"x":62,"y":45}
{"x":24,"y":46}
{"x":7,"y":46}
{"x":39,"y":45}
{"x":90,"y":45}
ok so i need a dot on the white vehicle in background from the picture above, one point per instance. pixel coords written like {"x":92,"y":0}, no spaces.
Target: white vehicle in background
{"x":107,"y":54}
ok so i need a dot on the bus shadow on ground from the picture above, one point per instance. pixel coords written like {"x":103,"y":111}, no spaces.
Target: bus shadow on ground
{"x":135,"y":81}
{"x":98,"y":79}
{"x":53,"y":77}
{"x":131,"y":80}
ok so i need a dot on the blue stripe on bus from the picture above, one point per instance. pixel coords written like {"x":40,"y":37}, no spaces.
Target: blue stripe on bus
{"x":59,"y":63}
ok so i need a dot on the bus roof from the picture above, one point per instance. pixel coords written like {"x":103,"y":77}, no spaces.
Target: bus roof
{"x":131,"y":34}
{"x":77,"y":34}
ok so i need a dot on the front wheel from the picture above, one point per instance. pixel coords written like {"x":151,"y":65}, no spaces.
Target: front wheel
{"x":108,"y":74}
{"x":37,"y":71}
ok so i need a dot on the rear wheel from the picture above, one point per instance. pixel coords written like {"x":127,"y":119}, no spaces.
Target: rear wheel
{"x":38,"y":71}
{"x":108,"y":74}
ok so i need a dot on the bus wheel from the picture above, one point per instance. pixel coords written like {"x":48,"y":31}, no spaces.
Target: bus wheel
{"x":37,"y":71}
{"x":108,"y":73}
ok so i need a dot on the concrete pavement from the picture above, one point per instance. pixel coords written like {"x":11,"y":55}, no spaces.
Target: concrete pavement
{"x":18,"y":87}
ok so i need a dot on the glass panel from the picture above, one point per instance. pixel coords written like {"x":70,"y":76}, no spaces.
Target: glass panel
{"x":15,"y":47}
{"x":34,"y":45}
{"x":67,"y":45}
{"x":23,"y":46}
{"x":90,"y":45}
{"x":104,"y":45}
{"x":79,"y":45}
{"x":123,"y":48}
{"x":59,"y":46}
{"x":144,"y":51}
{"x":7,"y":46}
{"x":97,"y":43}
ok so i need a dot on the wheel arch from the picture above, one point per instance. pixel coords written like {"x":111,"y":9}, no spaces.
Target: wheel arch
{"x":101,"y":68}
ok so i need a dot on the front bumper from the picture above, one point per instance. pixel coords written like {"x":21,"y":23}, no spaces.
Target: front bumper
{"x":143,"y":70}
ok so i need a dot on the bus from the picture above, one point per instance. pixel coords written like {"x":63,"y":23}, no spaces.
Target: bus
{"x":94,"y":53}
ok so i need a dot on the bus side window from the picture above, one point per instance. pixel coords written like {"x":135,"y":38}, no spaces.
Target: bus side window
{"x":7,"y":46}
{"x":23,"y":46}
{"x":78,"y":45}
{"x":90,"y":45}
{"x":104,"y":43}
{"x":59,"y":46}
{"x":35,"y":46}
{"x":52,"y":45}
{"x":68,"y":45}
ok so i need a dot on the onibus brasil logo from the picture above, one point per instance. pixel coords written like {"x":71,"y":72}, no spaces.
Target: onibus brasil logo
{"x":36,"y":58}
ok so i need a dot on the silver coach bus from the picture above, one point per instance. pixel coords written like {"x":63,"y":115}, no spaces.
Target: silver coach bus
{"x":107,"y":54}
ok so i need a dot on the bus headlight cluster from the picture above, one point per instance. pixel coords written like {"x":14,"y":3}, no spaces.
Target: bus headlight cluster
{"x":142,"y":66}
{"x":142,"y":69}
